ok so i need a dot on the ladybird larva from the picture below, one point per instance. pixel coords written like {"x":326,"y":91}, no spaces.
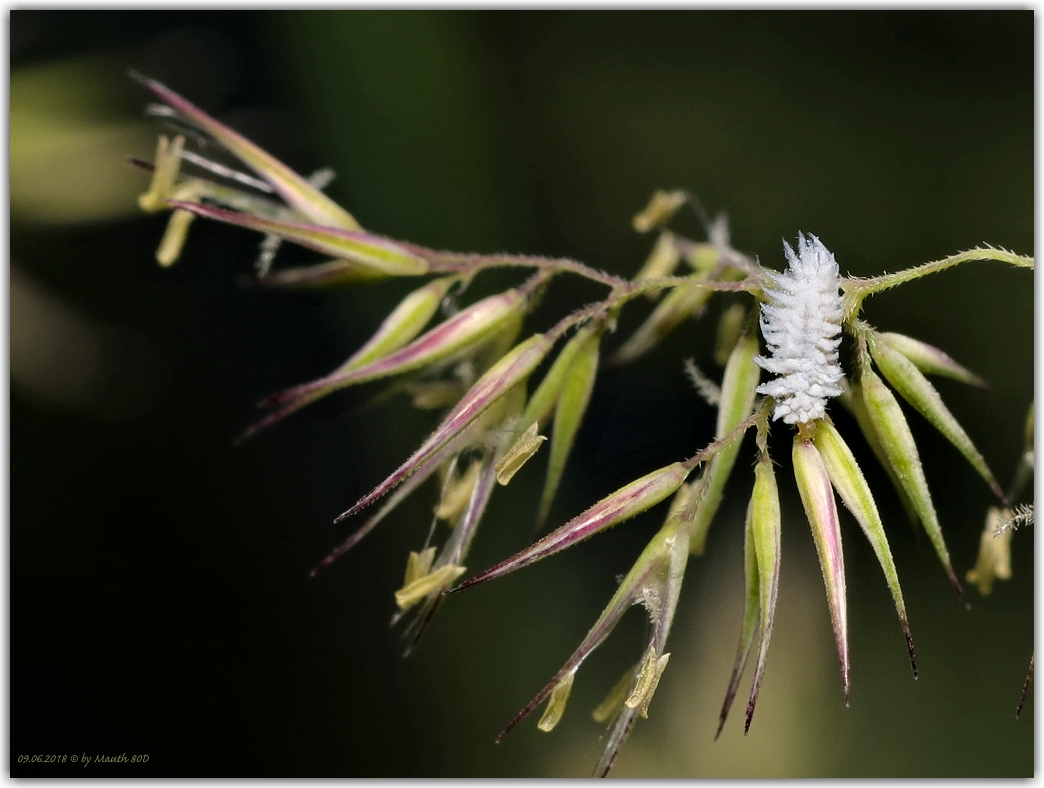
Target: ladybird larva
{"x":801,"y":324}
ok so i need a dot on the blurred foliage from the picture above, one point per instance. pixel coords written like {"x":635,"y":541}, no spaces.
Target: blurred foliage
{"x":159,"y":597}
{"x":69,"y":143}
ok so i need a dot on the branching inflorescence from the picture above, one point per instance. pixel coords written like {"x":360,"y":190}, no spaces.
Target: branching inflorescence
{"x":474,"y":366}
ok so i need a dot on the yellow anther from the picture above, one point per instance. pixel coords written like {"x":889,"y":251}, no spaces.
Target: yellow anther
{"x":662,"y":206}
{"x":556,"y":704}
{"x":412,"y":593}
{"x":729,"y":328}
{"x":174,"y":238}
{"x":994,"y":562}
{"x":438,"y":394}
{"x":703,"y":257}
{"x":525,"y":447}
{"x":648,"y":677}
{"x":418,"y":565}
{"x":607,"y":710}
{"x":662,"y":260}
{"x":457,"y":493}
{"x":167,"y":166}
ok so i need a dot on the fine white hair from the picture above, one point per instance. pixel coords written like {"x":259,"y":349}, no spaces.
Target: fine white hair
{"x":801,"y":324}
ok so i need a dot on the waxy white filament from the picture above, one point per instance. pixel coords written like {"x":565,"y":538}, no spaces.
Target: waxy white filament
{"x":802,"y":326}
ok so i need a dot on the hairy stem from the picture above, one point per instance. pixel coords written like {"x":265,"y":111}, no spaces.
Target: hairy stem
{"x":856,"y":290}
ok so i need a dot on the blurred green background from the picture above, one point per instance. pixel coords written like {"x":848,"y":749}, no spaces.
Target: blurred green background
{"x":160,"y":602}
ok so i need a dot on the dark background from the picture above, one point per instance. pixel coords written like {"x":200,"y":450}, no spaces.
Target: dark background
{"x":159,"y":598}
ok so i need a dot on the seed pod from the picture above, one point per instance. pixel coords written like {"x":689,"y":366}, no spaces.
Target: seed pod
{"x":404,"y":323}
{"x":384,"y":355}
{"x":542,"y":404}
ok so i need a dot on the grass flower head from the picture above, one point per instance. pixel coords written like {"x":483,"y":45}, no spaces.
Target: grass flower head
{"x":481,"y":366}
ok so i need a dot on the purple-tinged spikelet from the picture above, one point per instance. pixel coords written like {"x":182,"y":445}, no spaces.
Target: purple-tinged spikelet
{"x":802,"y":327}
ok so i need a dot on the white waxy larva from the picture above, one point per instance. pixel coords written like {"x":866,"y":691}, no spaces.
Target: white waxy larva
{"x":801,"y":324}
